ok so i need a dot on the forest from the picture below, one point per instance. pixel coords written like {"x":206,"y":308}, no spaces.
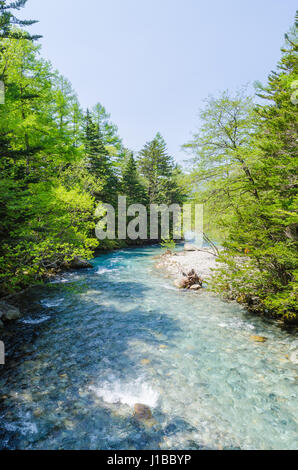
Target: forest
{"x":60,"y":161}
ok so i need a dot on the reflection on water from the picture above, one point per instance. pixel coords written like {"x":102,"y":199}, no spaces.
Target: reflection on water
{"x":94,"y":343}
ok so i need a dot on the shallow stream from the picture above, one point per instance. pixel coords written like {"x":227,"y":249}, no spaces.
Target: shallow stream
{"x":93,"y":343}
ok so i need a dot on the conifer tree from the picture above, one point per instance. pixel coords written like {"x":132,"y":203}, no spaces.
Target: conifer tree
{"x":98,"y":161}
{"x":131,"y":185}
{"x":8,"y":20}
{"x":156,"y":166}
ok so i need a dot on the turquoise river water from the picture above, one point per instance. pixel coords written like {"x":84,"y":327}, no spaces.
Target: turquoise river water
{"x":93,"y":343}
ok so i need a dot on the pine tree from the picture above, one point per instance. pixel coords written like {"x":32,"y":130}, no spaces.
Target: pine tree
{"x":156,"y":166}
{"x":131,"y":185}
{"x":98,"y":161}
{"x":8,"y":20}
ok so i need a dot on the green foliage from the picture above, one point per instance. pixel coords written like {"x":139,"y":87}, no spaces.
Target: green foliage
{"x":46,"y":226}
{"x":46,"y":202}
{"x":168,"y":244}
{"x":98,"y":162}
{"x":246,"y":171}
{"x":8,"y":19}
{"x":132,"y":186}
{"x":57,"y":164}
{"x":159,"y":172}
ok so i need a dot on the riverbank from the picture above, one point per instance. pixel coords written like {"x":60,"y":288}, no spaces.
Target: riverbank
{"x":178,"y":265}
{"x":192,"y":268}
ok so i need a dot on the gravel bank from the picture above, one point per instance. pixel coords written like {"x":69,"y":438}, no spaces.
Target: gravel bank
{"x":175,"y":264}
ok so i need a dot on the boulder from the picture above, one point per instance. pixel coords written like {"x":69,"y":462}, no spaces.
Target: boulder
{"x":9,"y":312}
{"x":142,"y":411}
{"x":79,"y":263}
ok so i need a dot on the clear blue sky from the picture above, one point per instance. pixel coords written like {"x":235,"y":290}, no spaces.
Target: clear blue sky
{"x":152,"y":62}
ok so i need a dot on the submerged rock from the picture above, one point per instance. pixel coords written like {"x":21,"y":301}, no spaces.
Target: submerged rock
{"x":258,"y":339}
{"x":9,"y":312}
{"x":145,"y":361}
{"x":37,"y":412}
{"x":142,"y":411}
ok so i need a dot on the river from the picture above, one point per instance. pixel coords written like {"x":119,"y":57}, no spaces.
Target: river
{"x":93,"y":343}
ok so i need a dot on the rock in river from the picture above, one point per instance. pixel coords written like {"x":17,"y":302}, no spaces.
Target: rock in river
{"x":79,"y":263}
{"x":9,"y":312}
{"x":142,"y":411}
{"x":258,"y":339}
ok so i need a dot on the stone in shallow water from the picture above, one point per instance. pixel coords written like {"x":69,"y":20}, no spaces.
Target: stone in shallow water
{"x":145,"y":361}
{"x":68,"y":424}
{"x":38,"y":412}
{"x":258,"y":339}
{"x":142,"y":411}
{"x":9,"y":312}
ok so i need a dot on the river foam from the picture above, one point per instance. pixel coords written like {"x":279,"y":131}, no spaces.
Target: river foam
{"x":127,"y":393}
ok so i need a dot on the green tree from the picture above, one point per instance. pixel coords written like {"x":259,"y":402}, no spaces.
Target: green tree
{"x":44,"y":220}
{"x":246,"y":162}
{"x":131,"y":184}
{"x":99,"y":162}
{"x":8,"y":21}
{"x":157,"y":167}
{"x":222,"y":159}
